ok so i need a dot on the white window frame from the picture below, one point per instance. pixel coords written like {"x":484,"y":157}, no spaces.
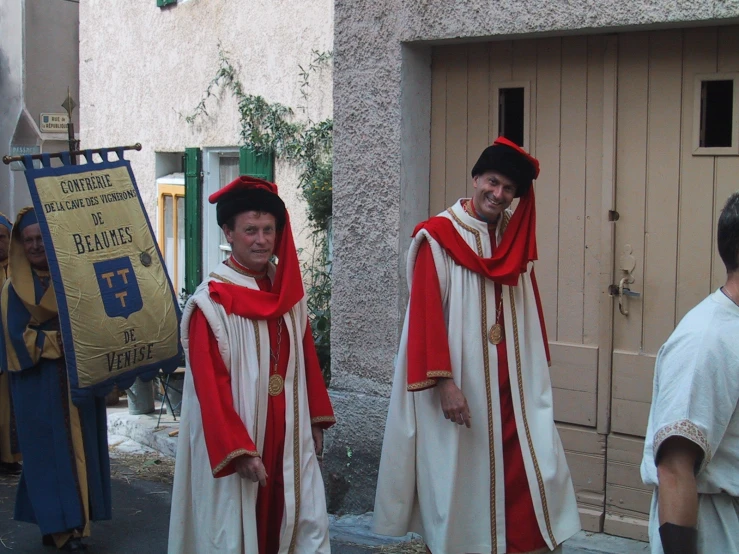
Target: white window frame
{"x":212,"y":248}
{"x":699,"y":150}
{"x":172,"y":185}
{"x":526,"y":86}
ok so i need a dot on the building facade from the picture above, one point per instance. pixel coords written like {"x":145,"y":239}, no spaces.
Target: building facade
{"x":632,"y":109}
{"x":145,"y":67}
{"x":39,"y":64}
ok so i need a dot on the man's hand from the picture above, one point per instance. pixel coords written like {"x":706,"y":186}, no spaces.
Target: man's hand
{"x":317,"y":440}
{"x":453,"y":403}
{"x":251,"y":468}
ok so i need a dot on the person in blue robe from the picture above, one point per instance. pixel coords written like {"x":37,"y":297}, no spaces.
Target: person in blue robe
{"x":9,"y":454}
{"x":65,"y":480}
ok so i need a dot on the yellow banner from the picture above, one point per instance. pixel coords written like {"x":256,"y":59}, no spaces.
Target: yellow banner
{"x":117,"y":309}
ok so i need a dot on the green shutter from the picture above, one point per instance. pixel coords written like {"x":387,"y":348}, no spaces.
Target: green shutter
{"x":256,"y":165}
{"x":193,"y":218}
{"x":162,"y":3}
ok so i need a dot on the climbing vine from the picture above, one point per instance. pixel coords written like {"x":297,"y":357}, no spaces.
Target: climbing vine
{"x":271,"y":128}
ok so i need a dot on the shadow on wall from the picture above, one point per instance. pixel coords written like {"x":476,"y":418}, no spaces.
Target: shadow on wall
{"x":5,"y":92}
{"x":7,"y":99}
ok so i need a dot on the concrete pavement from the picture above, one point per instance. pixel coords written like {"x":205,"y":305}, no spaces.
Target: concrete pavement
{"x":140,"y":520}
{"x":350,"y":534}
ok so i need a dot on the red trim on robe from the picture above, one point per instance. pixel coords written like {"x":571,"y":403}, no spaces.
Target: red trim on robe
{"x":428,"y":330}
{"x":319,"y":403}
{"x":428,"y":343}
{"x":540,"y":309}
{"x":271,"y":499}
{"x":517,"y":247}
{"x":225,"y":432}
{"x":521,"y":527}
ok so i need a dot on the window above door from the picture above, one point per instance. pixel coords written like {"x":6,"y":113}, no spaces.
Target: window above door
{"x":511,"y":111}
{"x":716,"y":115}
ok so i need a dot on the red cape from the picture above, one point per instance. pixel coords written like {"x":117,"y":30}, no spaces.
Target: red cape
{"x":512,"y":255}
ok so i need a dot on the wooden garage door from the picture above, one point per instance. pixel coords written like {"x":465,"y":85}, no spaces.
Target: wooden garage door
{"x":668,"y":200}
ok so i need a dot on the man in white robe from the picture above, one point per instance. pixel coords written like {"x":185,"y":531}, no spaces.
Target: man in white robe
{"x":691,"y":450}
{"x":471,"y":459}
{"x":247,"y":478}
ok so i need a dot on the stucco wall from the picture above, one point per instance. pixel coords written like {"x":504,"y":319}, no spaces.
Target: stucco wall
{"x":11,"y":99}
{"x":51,"y":57}
{"x":38,"y":61}
{"x":142,"y":69}
{"x":381,"y":96}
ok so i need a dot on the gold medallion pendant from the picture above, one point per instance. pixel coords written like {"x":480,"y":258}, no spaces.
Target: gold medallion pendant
{"x":276,"y":384}
{"x":496,"y":334}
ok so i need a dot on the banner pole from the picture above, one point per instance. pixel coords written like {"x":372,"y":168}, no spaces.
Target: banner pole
{"x":69,"y":105}
{"x":10,"y":159}
{"x":72,"y":141}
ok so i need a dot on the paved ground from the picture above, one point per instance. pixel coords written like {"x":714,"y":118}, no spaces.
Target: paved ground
{"x":142,"y":478}
{"x":141,"y":502}
{"x":140,"y":520}
{"x":141,"y":486}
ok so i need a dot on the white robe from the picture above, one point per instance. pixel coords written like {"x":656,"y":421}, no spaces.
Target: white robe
{"x":444,"y":481}
{"x":219,"y":515}
{"x":695,"y":396}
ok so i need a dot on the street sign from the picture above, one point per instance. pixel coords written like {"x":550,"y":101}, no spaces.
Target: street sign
{"x":53,"y":122}
{"x":18,"y":150}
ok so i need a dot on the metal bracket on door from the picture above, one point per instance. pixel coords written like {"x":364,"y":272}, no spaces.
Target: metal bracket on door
{"x":628,"y":264}
{"x":622,"y":291}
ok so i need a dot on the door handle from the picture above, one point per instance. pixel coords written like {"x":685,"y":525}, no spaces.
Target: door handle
{"x":622,"y":290}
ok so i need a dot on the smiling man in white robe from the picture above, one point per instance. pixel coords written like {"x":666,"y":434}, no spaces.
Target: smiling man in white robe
{"x":472,"y":460}
{"x":247,"y":479}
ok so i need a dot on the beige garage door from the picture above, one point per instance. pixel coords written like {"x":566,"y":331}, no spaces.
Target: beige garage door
{"x":611,"y":118}
{"x":669,"y":192}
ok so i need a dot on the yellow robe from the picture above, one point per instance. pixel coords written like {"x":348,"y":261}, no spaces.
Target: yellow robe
{"x":6,"y":453}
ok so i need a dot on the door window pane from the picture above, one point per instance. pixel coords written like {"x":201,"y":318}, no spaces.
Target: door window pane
{"x":169,"y":245}
{"x":511,"y":114}
{"x":180,"y":284}
{"x":228,"y":170}
{"x":717,"y":103}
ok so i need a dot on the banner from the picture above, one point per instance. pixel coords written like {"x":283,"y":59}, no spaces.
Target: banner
{"x":118,"y":312}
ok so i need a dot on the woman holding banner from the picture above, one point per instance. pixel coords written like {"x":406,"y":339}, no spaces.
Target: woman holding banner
{"x":65,"y":482}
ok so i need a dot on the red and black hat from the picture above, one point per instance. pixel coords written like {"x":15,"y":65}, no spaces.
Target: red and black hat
{"x":246,"y":194}
{"x":510,"y":160}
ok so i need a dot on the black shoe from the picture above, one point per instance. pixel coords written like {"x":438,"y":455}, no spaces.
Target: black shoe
{"x":47,"y":540}
{"x":74,"y":545}
{"x":13,"y":468}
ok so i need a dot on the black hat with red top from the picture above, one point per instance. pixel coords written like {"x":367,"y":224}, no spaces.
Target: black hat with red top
{"x":510,"y":160}
{"x":248,"y":194}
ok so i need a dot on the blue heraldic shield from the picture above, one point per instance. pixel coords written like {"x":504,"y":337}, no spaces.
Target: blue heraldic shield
{"x":119,"y":288}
